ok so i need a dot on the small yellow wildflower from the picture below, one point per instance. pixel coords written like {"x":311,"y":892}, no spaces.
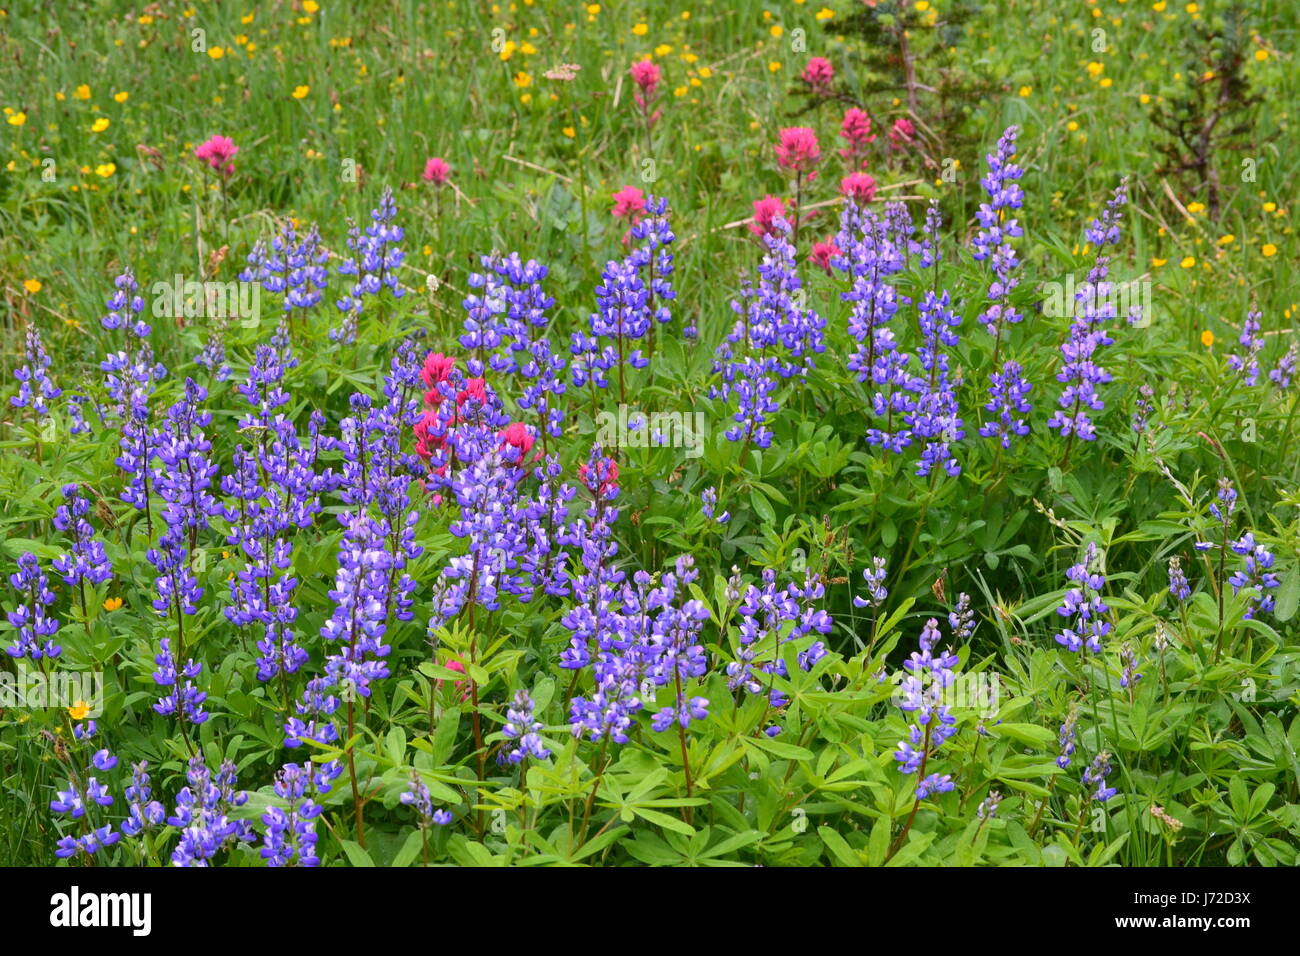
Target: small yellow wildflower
{"x":32,"y":286}
{"x":1207,"y":338}
{"x":112,"y":604}
{"x":99,"y":125}
{"x":300,"y":92}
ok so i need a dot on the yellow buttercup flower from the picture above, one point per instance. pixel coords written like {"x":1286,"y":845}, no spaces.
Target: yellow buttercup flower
{"x":79,"y":710}
{"x":776,"y":30}
{"x":216,"y":52}
{"x":104,"y":170}
{"x":82,"y":92}
{"x":523,"y":80}
{"x":299,"y":92}
{"x":1269,"y":250}
{"x":825,"y":13}
{"x":310,"y":6}
{"x":1188,"y":262}
{"x":121,"y":97}
{"x":640,"y":30}
{"x":1207,"y":338}
{"x":1261,"y":55}
{"x":99,"y":125}
{"x":33,"y":286}
{"x":17,"y":119}
{"x":569,"y":131}
{"x":112,"y":604}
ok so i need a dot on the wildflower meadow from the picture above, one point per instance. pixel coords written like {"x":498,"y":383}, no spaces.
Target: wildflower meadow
{"x":819,"y":434}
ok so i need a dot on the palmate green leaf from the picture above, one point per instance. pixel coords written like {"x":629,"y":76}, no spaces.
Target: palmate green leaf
{"x":410,"y":850}
{"x":357,"y":855}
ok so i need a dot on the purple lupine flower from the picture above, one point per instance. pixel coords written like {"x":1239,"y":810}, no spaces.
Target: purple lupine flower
{"x":935,"y":416}
{"x":265,"y":513}
{"x":921,"y":694}
{"x":874,"y":249}
{"x":1143,"y":408}
{"x":186,"y":702}
{"x":35,"y":629}
{"x":523,"y":330}
{"x":290,"y":838}
{"x":35,"y":389}
{"x":143,"y":812}
{"x":1225,"y":502}
{"x":137,"y":451}
{"x":133,"y":368}
{"x":418,"y":796}
{"x":709,"y":504}
{"x":593,"y":621}
{"x":1096,"y":773}
{"x":213,"y":356}
{"x":1066,"y":737}
{"x":651,"y":238}
{"x":774,"y":338}
{"x":318,"y":705}
{"x":1282,"y":374}
{"x":202,"y":812}
{"x":1130,"y":676}
{"x":375,"y":258}
{"x":524,"y":730}
{"x":961,"y":620}
{"x":1256,"y":574}
{"x":875,"y":578}
{"x":86,"y":559}
{"x":764,"y":611}
{"x":992,"y":242}
{"x":1007,"y":401}
{"x":1084,"y":606}
{"x":622,"y":318}
{"x":988,"y":808}
{"x":185,"y":474}
{"x":1178,"y":586}
{"x":306,"y":272}
{"x":669,"y":649}
{"x":1252,"y":342}
{"x":1094,"y":307}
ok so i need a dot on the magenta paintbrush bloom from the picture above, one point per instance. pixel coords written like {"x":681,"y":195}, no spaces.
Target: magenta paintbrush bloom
{"x":856,"y":128}
{"x":859,"y":187}
{"x":818,"y":75}
{"x":218,"y":153}
{"x":902,"y":133}
{"x":766,"y":211}
{"x":436,"y":170}
{"x":798,"y":149}
{"x":629,"y":203}
{"x":822,"y":253}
